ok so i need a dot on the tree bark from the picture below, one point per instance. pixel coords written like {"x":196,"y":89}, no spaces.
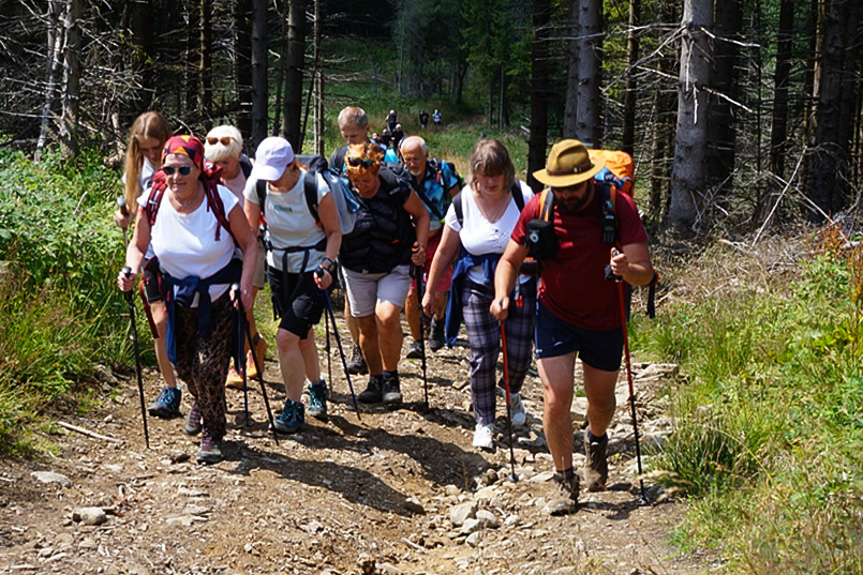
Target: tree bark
{"x":690,"y":150}
{"x":538,"y":92}
{"x":243,"y":64}
{"x":664,"y":114}
{"x":51,"y":108}
{"x":630,"y":97}
{"x":71,"y":77}
{"x":570,"y":114}
{"x":781,"y":81}
{"x":260,"y":94}
{"x":589,"y":115}
{"x":721,"y":131}
{"x":205,"y":66}
{"x":291,"y":121}
{"x":193,"y":57}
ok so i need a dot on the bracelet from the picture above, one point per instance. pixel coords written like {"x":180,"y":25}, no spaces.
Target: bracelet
{"x":330,"y":264}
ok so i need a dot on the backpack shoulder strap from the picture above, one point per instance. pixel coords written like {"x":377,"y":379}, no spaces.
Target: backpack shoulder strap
{"x":459,"y":210}
{"x":607,"y":199}
{"x":517,"y":195}
{"x":157,"y":191}
{"x":261,"y":189}
{"x":546,"y":200}
{"x":310,"y":188}
{"x":246,"y":165}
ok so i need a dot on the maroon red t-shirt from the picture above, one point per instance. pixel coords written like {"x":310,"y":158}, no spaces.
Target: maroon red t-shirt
{"x":573,"y":285}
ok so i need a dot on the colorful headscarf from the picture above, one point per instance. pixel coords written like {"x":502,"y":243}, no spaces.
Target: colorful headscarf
{"x":188,"y":146}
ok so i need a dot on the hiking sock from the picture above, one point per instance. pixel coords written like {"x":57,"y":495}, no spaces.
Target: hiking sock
{"x":594,"y":439}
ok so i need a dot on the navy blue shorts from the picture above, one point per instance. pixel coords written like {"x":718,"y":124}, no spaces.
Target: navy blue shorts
{"x":297,"y":300}
{"x":554,"y":337}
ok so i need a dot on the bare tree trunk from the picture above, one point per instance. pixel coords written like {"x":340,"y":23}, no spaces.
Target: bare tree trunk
{"x":137,"y":18}
{"x":52,"y":72}
{"x":721,"y":129}
{"x":538,"y":92}
{"x":205,"y":66}
{"x":690,"y":150}
{"x":281,"y":71}
{"x":781,"y":80}
{"x":589,"y":121}
{"x":319,"y":80}
{"x":664,"y":114}
{"x":630,"y":98}
{"x":291,"y":121}
{"x":193,"y":56}
{"x":570,"y":115}
{"x":71,"y":77}
{"x":243,"y":65}
{"x":260,"y":95}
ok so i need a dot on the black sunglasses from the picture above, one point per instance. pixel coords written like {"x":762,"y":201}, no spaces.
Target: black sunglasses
{"x":357,"y":162}
{"x":225,"y":140}
{"x":184,"y":170}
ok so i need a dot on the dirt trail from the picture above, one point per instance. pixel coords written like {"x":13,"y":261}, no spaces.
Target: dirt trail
{"x":335,"y":497}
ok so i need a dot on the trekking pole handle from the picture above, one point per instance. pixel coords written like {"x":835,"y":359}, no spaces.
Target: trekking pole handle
{"x":235,"y":292}
{"x":127,"y":271}
{"x":121,"y":202}
{"x":609,"y":275}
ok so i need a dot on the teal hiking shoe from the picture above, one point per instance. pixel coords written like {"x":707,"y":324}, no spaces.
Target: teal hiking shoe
{"x":167,"y":405}
{"x":194,"y":420}
{"x":291,"y":417}
{"x":318,"y":400}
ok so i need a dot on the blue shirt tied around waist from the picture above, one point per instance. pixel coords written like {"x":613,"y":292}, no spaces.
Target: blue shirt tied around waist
{"x":454,"y":304}
{"x":187,"y":287}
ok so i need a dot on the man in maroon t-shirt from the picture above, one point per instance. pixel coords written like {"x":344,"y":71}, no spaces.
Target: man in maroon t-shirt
{"x":578,"y":310}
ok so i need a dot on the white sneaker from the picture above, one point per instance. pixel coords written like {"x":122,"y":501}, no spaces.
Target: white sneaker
{"x":483,"y":437}
{"x":519,"y":416}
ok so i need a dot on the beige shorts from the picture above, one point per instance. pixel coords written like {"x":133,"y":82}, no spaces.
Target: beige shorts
{"x":366,"y":290}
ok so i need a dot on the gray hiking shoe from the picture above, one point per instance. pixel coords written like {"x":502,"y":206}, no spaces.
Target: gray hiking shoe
{"x":436,"y":335}
{"x":374,"y":392}
{"x":318,"y":400}
{"x":357,"y":364}
{"x":211,"y":450}
{"x":192,"y":426}
{"x":595,"y":462}
{"x":565,"y":498}
{"x":167,"y":405}
{"x":415,"y":351}
{"x":392,"y":393}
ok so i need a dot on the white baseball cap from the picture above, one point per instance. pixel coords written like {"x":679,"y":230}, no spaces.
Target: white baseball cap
{"x":271,"y":158}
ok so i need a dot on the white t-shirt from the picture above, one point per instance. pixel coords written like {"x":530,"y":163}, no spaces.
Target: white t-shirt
{"x":290,"y":223}
{"x":480,"y":236}
{"x":186,"y":243}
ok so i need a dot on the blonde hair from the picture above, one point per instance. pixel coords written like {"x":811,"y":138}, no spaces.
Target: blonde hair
{"x":490,"y":158}
{"x":147,"y":125}
{"x":364,"y":151}
{"x":219,"y":152}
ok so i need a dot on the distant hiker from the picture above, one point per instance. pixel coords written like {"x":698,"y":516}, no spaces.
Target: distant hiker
{"x":391,"y":157}
{"x":436,"y":117}
{"x":398,"y":135}
{"x":376,"y":259}
{"x":223,"y":146}
{"x":194,"y":224}
{"x":148,"y":135}
{"x":354,"y":128}
{"x":436,"y":182}
{"x":478,"y":224}
{"x":392,"y":121}
{"x":296,"y":246}
{"x":575,"y":317}
{"x":424,"y":119}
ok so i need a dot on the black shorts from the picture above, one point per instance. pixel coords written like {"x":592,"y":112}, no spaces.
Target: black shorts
{"x":152,"y":278}
{"x":297,"y":300}
{"x":555,"y":337}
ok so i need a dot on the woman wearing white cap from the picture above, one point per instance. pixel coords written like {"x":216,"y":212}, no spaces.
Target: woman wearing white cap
{"x":297,"y":246}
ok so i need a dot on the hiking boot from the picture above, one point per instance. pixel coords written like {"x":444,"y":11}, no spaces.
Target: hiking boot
{"x":234,"y":380}
{"x":357,"y":364}
{"x":192,"y":426}
{"x":211,"y":450}
{"x":595,"y":461}
{"x":436,"y":336}
{"x":291,"y":417}
{"x":519,"y":415}
{"x":392,"y":394}
{"x":415,"y":351}
{"x":374,"y":392}
{"x":565,"y":498}
{"x":318,"y":400}
{"x":483,"y":436}
{"x":167,"y":405}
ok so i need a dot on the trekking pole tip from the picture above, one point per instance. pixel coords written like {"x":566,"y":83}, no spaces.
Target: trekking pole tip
{"x":512,"y":477}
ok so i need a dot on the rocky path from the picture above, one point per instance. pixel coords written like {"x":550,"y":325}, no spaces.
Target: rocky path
{"x":394,"y":492}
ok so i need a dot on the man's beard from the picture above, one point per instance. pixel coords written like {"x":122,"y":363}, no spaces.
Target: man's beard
{"x":572,"y":206}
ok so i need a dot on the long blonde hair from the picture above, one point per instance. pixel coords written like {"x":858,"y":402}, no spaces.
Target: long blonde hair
{"x":147,"y":125}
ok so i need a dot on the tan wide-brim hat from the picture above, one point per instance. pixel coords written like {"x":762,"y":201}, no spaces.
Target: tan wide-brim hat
{"x":568,"y":164}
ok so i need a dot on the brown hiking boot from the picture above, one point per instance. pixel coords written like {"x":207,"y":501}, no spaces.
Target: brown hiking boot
{"x":595,"y":462}
{"x":565,"y":498}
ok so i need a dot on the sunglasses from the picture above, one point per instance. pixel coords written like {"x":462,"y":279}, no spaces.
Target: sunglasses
{"x":224,"y":140}
{"x":183,"y":170}
{"x":357,"y":162}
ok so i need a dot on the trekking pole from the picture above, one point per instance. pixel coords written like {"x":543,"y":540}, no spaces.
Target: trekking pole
{"x":418,"y":274}
{"x":329,"y":360}
{"x":127,"y":271}
{"x":319,"y":273}
{"x":513,"y":478}
{"x":241,"y":353}
{"x":619,"y":281}
{"x":121,"y":203}
{"x":242,"y":317}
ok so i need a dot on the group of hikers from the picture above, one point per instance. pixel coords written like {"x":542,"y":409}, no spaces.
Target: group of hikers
{"x":519,"y":270}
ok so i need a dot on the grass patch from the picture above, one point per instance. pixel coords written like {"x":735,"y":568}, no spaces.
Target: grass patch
{"x":770,"y":424}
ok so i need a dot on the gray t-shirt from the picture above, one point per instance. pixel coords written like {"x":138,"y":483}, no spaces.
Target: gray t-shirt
{"x":290,"y":223}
